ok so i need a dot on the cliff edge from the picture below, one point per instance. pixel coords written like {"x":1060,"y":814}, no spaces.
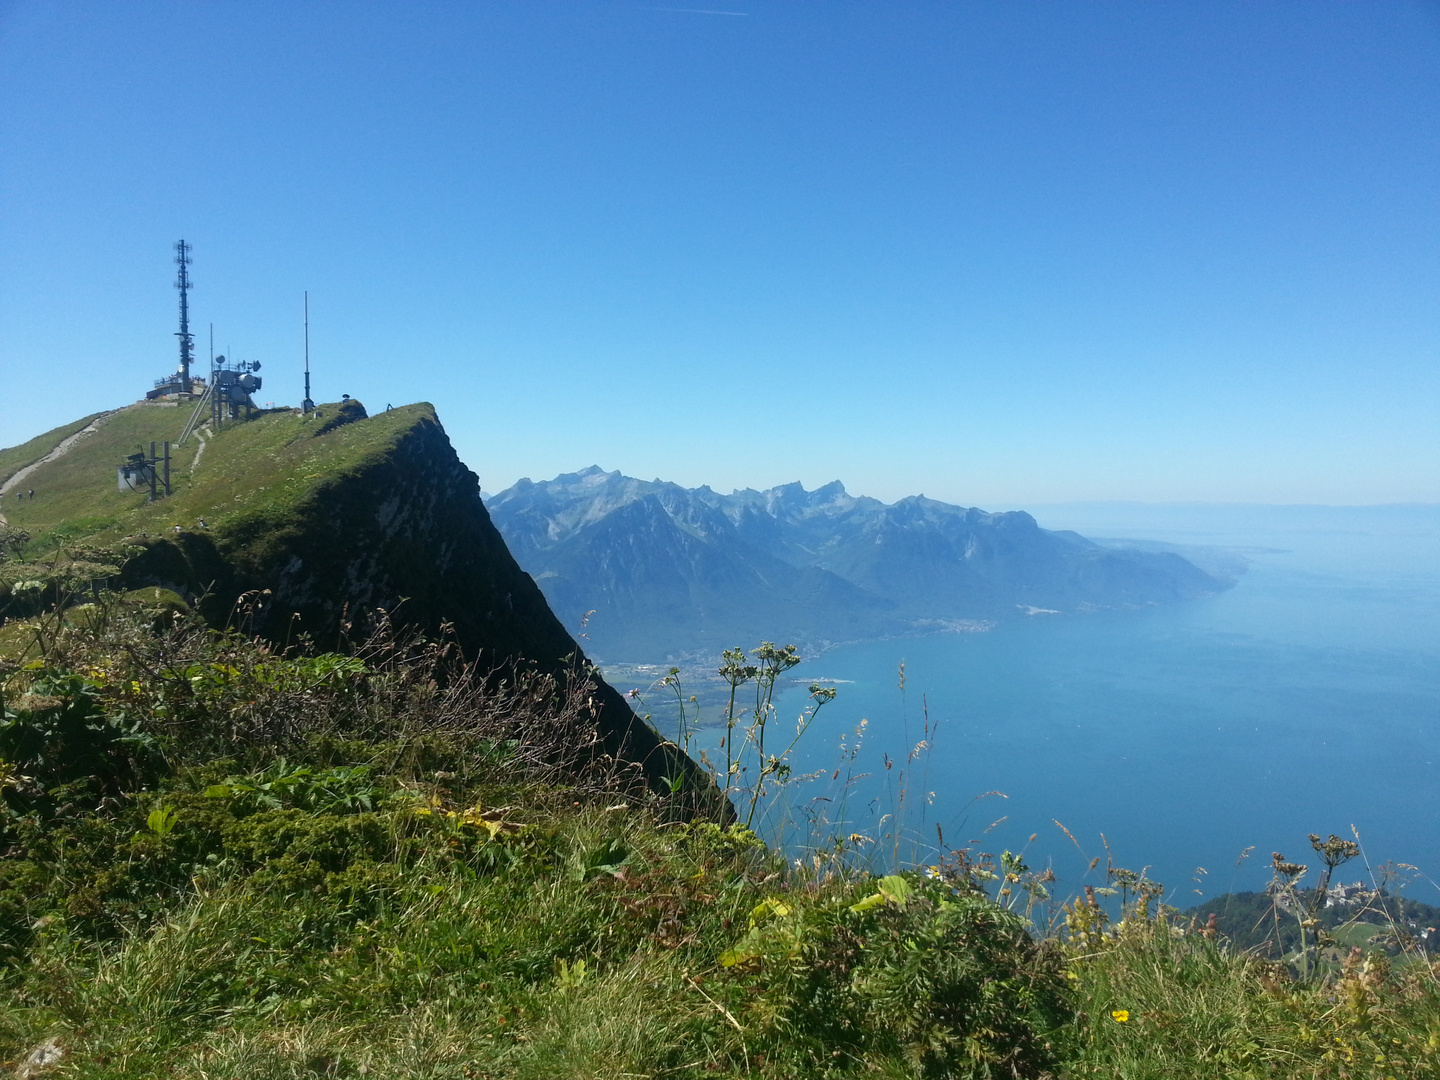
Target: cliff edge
{"x":337,"y":518}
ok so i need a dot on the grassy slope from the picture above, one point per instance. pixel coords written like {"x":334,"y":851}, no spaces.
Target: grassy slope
{"x":419,"y":905}
{"x":15,"y":458}
{"x":260,"y":467}
{"x":275,"y":493}
{"x":415,"y":899}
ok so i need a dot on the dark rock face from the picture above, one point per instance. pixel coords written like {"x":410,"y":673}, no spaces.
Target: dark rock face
{"x":670,"y":570}
{"x":405,"y":532}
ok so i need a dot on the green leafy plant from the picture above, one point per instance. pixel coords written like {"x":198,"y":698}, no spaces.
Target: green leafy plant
{"x":910,"y":969}
{"x":336,"y":790}
{"x":609,"y":858}
{"x":568,"y":975}
{"x":59,"y":734}
{"x":161,"y":821}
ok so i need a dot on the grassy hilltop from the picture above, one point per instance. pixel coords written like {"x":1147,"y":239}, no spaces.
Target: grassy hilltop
{"x":262,"y":468}
{"x":229,"y":853}
{"x":312,"y":525}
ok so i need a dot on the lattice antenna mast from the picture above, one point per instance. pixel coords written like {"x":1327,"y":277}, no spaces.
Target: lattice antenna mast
{"x":307,"y":404}
{"x":187,"y":339}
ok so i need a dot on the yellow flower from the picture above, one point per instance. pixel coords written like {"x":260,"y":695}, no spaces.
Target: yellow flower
{"x":1120,"y":1015}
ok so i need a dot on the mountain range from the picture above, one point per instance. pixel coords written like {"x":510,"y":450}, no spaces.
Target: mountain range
{"x":658,"y":571}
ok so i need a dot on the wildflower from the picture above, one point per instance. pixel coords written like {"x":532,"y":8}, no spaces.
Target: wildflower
{"x":1120,"y":1016}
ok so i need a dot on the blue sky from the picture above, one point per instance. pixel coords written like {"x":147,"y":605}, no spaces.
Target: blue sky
{"x":997,"y":253}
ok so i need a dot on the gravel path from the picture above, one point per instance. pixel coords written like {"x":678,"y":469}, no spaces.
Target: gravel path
{"x":60,"y":451}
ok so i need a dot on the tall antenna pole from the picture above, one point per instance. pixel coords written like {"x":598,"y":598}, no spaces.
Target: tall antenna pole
{"x":187,"y":339}
{"x":307,"y":404}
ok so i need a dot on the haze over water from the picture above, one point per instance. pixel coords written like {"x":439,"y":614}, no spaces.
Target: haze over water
{"x":1305,"y":699}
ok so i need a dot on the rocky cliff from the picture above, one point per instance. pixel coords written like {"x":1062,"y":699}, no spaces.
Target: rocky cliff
{"x":327,"y":521}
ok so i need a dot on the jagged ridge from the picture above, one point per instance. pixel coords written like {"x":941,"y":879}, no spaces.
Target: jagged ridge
{"x":669,"y":569}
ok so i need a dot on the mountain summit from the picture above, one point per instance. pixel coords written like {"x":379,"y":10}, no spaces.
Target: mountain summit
{"x":661,"y":570}
{"x":291,"y":524}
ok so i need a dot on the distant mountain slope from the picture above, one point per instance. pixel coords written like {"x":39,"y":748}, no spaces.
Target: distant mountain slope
{"x":668,"y":570}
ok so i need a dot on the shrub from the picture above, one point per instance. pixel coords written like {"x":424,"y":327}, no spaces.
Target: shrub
{"x":943,"y":979}
{"x":59,"y":742}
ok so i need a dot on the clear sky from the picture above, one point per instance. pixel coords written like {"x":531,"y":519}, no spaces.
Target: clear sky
{"x":995,"y":252}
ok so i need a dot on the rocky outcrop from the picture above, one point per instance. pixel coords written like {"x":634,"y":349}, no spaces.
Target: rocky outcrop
{"x":406,"y":532}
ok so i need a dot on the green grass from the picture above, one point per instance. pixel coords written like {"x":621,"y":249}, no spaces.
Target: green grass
{"x":80,"y":487}
{"x":225,"y":863}
{"x":355,"y":970}
{"x":249,"y":477}
{"x":1196,"y":1009}
{"x":253,"y":469}
{"x":15,"y":458}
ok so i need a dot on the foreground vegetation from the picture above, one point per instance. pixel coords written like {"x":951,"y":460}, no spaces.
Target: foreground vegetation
{"x":225,"y":860}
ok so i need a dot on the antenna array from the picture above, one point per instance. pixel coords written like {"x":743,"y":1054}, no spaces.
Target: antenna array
{"x":307,"y":405}
{"x":187,"y":339}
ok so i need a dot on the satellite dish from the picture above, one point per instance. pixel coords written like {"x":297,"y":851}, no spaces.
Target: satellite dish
{"x":219,"y":359}
{"x":255,"y":365}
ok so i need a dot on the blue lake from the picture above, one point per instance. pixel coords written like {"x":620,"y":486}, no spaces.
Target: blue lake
{"x":1305,"y":699}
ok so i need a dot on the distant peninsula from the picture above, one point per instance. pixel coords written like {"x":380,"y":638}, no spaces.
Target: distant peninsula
{"x":657,"y":571}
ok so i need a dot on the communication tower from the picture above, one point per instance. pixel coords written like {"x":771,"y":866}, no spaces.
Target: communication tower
{"x":187,"y":339}
{"x":180,"y":384}
{"x":307,"y":406}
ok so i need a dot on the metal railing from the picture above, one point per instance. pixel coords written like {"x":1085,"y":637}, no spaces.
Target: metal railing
{"x":194,"y":421}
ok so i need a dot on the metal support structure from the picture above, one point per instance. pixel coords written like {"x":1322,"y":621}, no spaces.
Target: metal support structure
{"x":230,"y":388}
{"x":194,"y":422}
{"x":307,"y":406}
{"x":142,"y":471}
{"x":217,"y":403}
{"x":187,"y":339}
